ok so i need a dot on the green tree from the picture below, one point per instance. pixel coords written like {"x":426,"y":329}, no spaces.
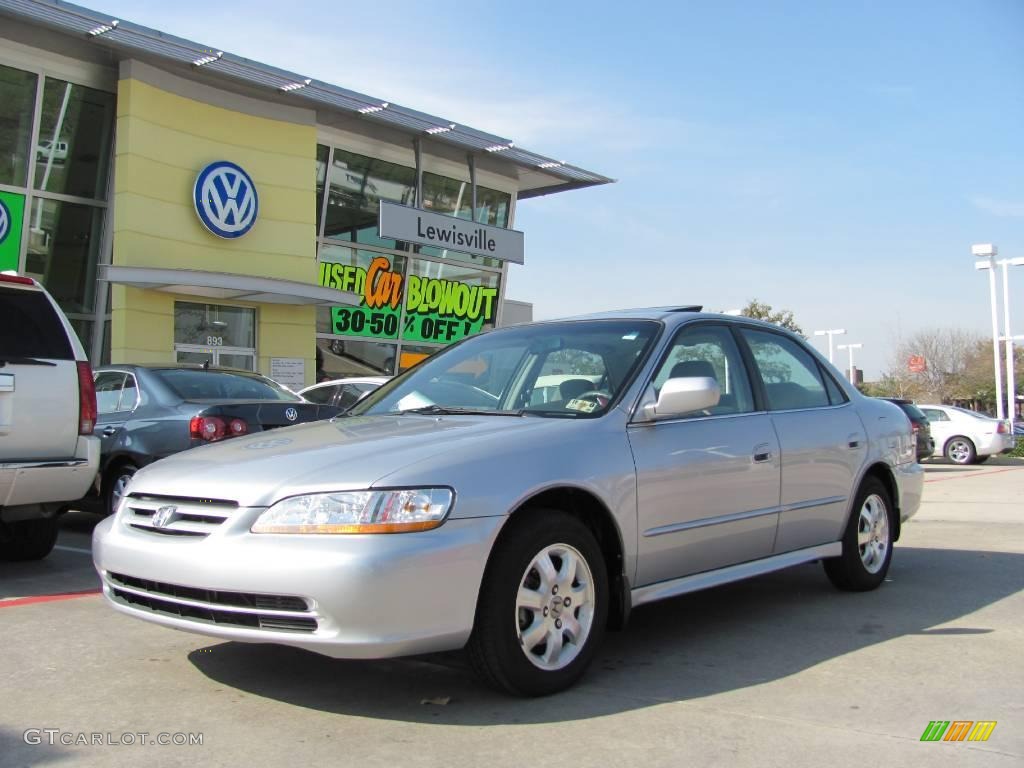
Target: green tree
{"x":759,"y":310}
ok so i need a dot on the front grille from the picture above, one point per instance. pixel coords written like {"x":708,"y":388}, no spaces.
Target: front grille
{"x":280,"y":613}
{"x":183,"y":516}
{"x":212,"y":596}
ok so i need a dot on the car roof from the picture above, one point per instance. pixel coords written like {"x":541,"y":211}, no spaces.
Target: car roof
{"x":681,"y":312}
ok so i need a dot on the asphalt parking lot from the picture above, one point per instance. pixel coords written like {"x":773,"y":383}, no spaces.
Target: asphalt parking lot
{"x":780,"y":670}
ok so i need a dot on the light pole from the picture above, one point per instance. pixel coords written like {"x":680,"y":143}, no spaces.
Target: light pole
{"x":986,"y":253}
{"x":850,"y":348}
{"x":830,"y":333}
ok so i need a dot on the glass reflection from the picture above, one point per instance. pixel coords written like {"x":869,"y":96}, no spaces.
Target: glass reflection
{"x":17,"y":106}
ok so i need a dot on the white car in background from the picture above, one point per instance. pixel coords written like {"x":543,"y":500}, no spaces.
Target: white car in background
{"x":966,"y":437}
{"x":342,"y":392}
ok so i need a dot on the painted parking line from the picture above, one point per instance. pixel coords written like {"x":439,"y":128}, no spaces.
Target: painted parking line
{"x":972,"y":474}
{"x":47,"y":598}
{"x":78,"y":550}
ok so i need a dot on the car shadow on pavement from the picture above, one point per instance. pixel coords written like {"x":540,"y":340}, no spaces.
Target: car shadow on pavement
{"x":697,"y":645}
{"x":61,"y":571}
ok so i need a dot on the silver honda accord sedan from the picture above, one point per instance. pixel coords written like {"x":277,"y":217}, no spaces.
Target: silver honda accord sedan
{"x":464,"y":505}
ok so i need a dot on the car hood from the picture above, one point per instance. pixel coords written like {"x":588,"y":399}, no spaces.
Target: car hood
{"x":343,"y":454}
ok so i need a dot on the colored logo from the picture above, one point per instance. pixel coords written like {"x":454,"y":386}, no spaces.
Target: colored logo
{"x":291,"y":414}
{"x":164,"y":516}
{"x":958,"y":730}
{"x":226,"y":199}
{"x":5,"y":221}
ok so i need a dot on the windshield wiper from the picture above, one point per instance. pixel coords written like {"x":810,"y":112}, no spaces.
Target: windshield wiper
{"x":451,"y":410}
{"x":15,"y":360}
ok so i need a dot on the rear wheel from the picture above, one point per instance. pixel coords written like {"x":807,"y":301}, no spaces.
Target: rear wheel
{"x":867,"y":542}
{"x":543,"y":606}
{"x":117,"y":482}
{"x":960,"y":450}
{"x":28,"y":539}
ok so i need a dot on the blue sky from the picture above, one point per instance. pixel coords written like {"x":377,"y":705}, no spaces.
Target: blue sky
{"x":833,"y":158}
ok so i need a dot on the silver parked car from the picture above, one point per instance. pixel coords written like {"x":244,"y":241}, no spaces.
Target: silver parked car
{"x":451,"y":508}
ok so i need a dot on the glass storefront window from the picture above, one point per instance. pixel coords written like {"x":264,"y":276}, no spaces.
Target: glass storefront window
{"x":212,"y":325}
{"x":357,"y":185}
{"x":447,"y":302}
{"x":322,"y":156}
{"x":340,"y":357}
{"x":455,"y":198}
{"x":73,"y":150}
{"x":414,"y":354}
{"x":17,"y":107}
{"x":63,"y":244}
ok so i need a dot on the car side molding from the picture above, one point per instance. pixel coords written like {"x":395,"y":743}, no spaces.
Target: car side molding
{"x":698,"y":581}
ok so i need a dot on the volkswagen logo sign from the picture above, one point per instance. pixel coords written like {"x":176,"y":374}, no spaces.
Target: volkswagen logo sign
{"x":291,"y":414}
{"x":5,"y":221}
{"x":226,"y":199}
{"x":164,"y":516}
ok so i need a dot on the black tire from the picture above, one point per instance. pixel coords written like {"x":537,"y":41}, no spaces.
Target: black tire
{"x":337,"y":347}
{"x":495,"y":649}
{"x":960,"y":450}
{"x":982,"y":459}
{"x":120,"y":474}
{"x":28,"y":539}
{"x":858,"y":570}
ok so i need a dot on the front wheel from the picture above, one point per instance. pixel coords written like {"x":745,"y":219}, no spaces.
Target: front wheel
{"x":960,"y":450}
{"x":543,"y":606}
{"x":867,"y":541}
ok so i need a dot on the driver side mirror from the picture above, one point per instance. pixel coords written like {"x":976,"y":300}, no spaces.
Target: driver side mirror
{"x":681,"y":396}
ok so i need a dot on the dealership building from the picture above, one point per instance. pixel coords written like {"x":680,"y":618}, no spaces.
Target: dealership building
{"x":184,"y":204}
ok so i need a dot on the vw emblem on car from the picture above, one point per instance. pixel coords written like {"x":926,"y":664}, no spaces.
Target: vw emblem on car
{"x":164,"y":516}
{"x":226,"y":199}
{"x":5,"y":221}
{"x":291,"y":414}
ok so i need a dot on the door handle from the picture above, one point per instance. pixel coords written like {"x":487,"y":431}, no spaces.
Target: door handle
{"x":853,"y":441}
{"x":109,"y":431}
{"x":762,"y":453}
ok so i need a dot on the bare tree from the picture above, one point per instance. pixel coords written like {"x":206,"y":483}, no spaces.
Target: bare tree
{"x":948,"y":354}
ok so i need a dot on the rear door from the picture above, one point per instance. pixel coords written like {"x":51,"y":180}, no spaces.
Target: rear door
{"x":38,"y":378}
{"x":941,"y":426}
{"x":821,"y":437}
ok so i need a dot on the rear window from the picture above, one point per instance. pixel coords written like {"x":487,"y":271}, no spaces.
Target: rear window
{"x":30,"y":327}
{"x":222,"y":385}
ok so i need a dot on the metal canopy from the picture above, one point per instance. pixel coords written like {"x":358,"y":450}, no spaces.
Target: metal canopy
{"x":128,"y":38}
{"x":221,"y":285}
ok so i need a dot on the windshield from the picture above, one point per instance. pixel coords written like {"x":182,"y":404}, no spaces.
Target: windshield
{"x":194,"y":384}
{"x":568,"y":369}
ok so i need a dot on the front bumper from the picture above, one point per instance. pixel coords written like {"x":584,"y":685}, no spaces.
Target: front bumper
{"x":360,"y":596}
{"x":910,"y":486}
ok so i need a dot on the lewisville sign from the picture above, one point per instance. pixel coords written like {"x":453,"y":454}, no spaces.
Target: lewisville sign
{"x":435,"y":309}
{"x":414,"y":225}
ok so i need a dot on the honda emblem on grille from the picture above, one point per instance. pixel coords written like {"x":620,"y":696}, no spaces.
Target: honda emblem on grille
{"x":291,"y":414}
{"x":164,"y":516}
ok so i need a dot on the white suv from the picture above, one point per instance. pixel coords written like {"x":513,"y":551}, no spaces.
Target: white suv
{"x":48,"y":454}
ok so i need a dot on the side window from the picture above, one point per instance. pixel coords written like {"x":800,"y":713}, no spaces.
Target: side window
{"x":320,"y":395}
{"x":108,"y":391}
{"x":129,"y":394}
{"x":790,"y":374}
{"x":348,"y":396}
{"x":836,"y":396}
{"x":709,"y":350}
{"x":934,"y":414}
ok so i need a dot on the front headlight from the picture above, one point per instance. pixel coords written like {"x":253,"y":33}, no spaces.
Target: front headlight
{"x":397,"y":511}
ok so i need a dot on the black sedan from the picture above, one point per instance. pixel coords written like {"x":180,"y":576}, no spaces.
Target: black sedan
{"x":920,"y":424}
{"x":147,"y":412}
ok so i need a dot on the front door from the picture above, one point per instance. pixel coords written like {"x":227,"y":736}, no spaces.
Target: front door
{"x":708,"y":482}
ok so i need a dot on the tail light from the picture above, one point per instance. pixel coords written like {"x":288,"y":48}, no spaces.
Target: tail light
{"x":213,"y":428}
{"x":915,"y":427}
{"x":86,"y":400}
{"x":1002,"y":429}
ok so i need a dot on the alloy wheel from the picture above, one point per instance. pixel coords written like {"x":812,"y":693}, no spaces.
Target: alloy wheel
{"x":873,"y":533}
